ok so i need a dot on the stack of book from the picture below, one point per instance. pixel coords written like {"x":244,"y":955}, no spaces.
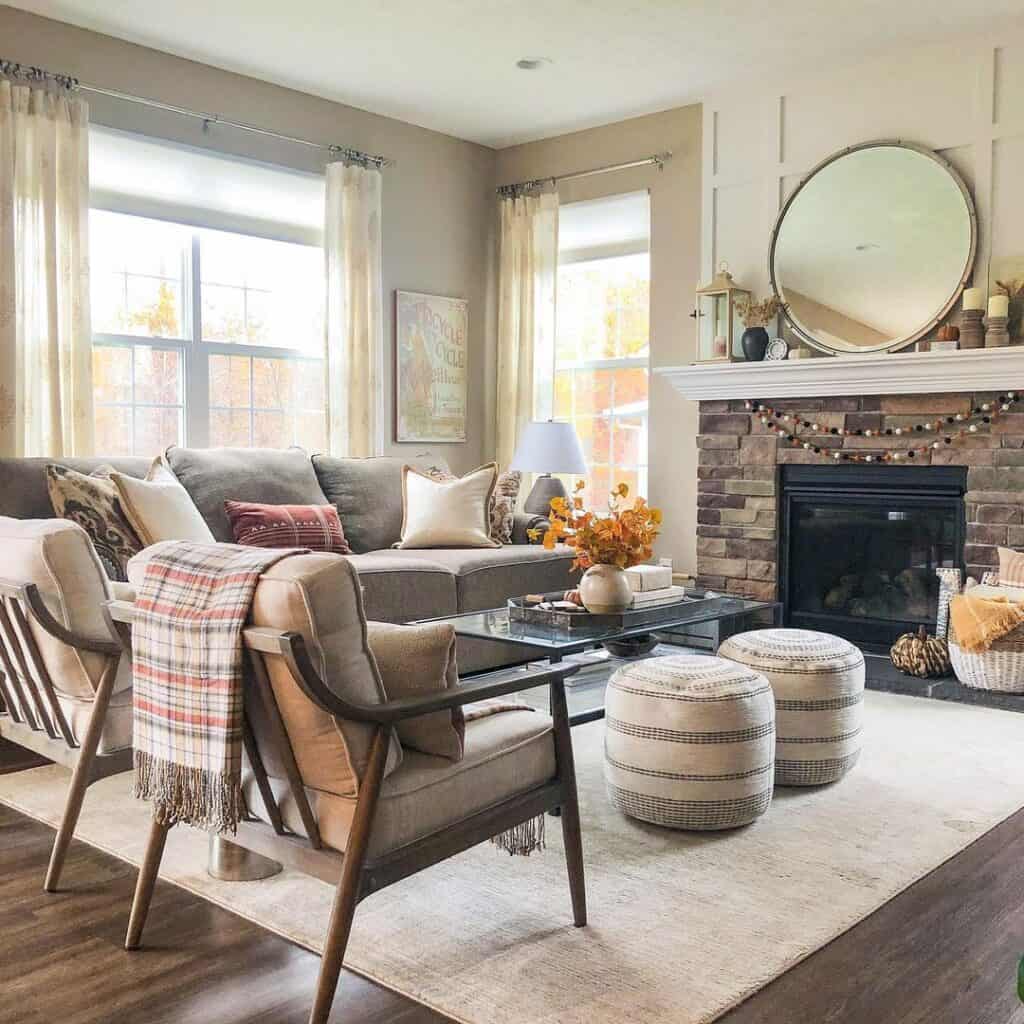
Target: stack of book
{"x":652,"y":585}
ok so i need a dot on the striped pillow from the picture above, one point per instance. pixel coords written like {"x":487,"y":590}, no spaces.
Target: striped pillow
{"x":316,"y":527}
{"x":1011,"y":568}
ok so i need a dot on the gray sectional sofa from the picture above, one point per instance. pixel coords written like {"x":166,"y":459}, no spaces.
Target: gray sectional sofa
{"x":399,"y":585}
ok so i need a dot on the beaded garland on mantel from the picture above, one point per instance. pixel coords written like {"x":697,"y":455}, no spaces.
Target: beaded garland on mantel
{"x":787,"y":426}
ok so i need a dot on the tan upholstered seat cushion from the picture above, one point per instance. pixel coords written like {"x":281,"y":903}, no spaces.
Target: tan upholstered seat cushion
{"x":57,"y":556}
{"x":117,"y":727}
{"x":318,"y":596}
{"x":505,"y":754}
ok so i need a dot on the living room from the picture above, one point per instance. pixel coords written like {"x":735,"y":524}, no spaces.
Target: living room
{"x":486,"y":491}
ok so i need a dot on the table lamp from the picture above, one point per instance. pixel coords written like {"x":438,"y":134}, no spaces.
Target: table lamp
{"x":546,"y":447}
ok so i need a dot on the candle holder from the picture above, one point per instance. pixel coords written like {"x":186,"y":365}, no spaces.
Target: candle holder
{"x":972,"y":332}
{"x":996,"y":334}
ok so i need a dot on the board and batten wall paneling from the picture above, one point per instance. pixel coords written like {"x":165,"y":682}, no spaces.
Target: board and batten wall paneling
{"x":963,"y":98}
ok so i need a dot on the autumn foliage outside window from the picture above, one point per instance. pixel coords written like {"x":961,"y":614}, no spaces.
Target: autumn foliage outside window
{"x":602,"y":352}
{"x":204,"y":338}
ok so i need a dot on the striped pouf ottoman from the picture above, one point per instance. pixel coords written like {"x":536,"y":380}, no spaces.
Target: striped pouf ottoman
{"x":689,"y":742}
{"x":818,"y":680}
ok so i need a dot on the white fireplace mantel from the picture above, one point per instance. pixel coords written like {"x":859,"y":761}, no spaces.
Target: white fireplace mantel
{"x":912,"y":373}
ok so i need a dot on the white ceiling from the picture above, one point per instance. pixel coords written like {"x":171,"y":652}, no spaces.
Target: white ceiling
{"x":450,"y":64}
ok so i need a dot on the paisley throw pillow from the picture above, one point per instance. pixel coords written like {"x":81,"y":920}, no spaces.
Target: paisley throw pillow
{"x":93,"y":502}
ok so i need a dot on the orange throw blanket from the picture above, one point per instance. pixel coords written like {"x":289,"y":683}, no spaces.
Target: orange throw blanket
{"x":979,"y":621}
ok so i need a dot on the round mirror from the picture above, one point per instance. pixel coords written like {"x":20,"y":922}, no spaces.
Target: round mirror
{"x":873,"y":248}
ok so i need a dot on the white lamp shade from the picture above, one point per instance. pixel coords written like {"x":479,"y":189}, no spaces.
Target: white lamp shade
{"x":549,"y":446}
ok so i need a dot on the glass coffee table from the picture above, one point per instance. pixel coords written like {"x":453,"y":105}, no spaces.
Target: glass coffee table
{"x":703,"y":619}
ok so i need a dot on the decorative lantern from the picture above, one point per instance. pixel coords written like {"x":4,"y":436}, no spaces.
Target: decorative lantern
{"x":719,"y":327}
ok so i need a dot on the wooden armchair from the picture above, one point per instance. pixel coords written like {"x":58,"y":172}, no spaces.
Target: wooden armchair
{"x":65,"y":691}
{"x":331,"y":791}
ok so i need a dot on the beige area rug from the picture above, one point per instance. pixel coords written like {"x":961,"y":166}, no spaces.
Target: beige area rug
{"x":682,"y":926}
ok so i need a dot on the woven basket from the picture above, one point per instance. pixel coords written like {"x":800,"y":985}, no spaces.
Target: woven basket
{"x":1000,"y":668}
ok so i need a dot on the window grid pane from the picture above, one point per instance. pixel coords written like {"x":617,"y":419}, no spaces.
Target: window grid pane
{"x":154,"y":280}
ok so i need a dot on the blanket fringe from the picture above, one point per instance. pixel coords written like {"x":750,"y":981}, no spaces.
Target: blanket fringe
{"x":524,"y":839}
{"x":208,"y":800}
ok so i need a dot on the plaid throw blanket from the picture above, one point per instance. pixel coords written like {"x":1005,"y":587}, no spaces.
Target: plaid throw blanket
{"x":187,"y":661}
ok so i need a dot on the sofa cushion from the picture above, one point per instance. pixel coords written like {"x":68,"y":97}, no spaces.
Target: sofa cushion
{"x":487,"y":577}
{"x":401,"y":589}
{"x":268,"y":475}
{"x":505,"y":754}
{"x":23,"y":490}
{"x":368,"y":495}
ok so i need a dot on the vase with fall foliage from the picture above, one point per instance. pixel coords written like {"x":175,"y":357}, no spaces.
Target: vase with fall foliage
{"x":605,"y":545}
{"x":756,"y":316}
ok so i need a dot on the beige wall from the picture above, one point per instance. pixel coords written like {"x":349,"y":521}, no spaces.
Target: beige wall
{"x":438,"y":198}
{"x":675,"y":265}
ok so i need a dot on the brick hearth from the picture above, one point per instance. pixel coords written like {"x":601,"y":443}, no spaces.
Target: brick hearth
{"x":737,"y":488}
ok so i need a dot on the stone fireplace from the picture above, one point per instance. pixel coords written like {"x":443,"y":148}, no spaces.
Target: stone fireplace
{"x":744,"y":472}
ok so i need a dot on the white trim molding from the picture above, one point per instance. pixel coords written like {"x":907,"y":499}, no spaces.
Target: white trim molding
{"x":913,"y":373}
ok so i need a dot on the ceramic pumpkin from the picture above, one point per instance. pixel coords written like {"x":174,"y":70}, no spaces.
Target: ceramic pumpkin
{"x":921,"y":655}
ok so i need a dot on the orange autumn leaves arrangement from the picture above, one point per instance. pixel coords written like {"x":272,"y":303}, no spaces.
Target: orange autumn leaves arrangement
{"x":624,"y":537}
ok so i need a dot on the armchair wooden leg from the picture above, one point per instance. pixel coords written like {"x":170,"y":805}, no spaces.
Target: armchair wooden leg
{"x":572,"y":839}
{"x":571,"y":834}
{"x":347,"y":894}
{"x":81,"y":778}
{"x":146,"y":881}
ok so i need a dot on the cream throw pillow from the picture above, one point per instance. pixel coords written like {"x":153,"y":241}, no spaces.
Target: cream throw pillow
{"x":159,"y":508}
{"x":1011,"y":568}
{"x":447,"y":513}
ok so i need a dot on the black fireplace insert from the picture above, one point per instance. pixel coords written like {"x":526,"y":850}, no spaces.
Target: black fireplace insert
{"x":859,"y":546}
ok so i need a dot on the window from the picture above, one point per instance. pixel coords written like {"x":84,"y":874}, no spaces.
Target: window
{"x":602,"y":344}
{"x":204,"y":337}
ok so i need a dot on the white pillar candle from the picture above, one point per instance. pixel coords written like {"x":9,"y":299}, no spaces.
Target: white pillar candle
{"x":999,"y":305}
{"x":974,"y":298}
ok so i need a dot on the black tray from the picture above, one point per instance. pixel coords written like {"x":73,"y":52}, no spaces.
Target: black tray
{"x":519,"y":611}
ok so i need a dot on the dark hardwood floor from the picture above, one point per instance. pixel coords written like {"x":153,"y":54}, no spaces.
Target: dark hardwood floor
{"x":943,"y":952}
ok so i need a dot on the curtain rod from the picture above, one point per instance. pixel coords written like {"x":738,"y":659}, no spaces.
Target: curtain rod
{"x":519,"y":187}
{"x":15,"y":70}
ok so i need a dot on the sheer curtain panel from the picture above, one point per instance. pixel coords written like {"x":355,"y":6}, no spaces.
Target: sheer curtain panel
{"x":355,"y":329}
{"x":526,"y":314}
{"x":45,"y":346}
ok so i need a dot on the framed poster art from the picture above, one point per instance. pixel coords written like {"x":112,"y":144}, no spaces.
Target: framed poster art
{"x":430,"y":367}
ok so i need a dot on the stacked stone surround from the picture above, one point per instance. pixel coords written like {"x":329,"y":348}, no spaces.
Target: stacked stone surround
{"x":738,"y":470}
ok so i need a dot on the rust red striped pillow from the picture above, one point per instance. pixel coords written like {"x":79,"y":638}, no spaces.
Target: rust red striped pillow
{"x":316,"y":527}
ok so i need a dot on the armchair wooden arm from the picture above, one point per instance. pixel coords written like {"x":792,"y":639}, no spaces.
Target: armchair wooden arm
{"x":292,"y":648}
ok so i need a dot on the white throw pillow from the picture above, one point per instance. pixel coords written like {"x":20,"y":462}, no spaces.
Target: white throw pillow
{"x":159,"y":508}
{"x":447,"y":513}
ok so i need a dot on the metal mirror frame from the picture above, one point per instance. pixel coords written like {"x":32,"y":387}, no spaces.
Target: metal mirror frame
{"x":898,"y":343}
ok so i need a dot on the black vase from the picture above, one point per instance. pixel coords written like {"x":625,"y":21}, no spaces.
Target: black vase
{"x":755,"y":343}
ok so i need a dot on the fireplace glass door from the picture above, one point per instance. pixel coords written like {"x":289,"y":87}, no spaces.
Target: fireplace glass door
{"x":860,"y":549}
